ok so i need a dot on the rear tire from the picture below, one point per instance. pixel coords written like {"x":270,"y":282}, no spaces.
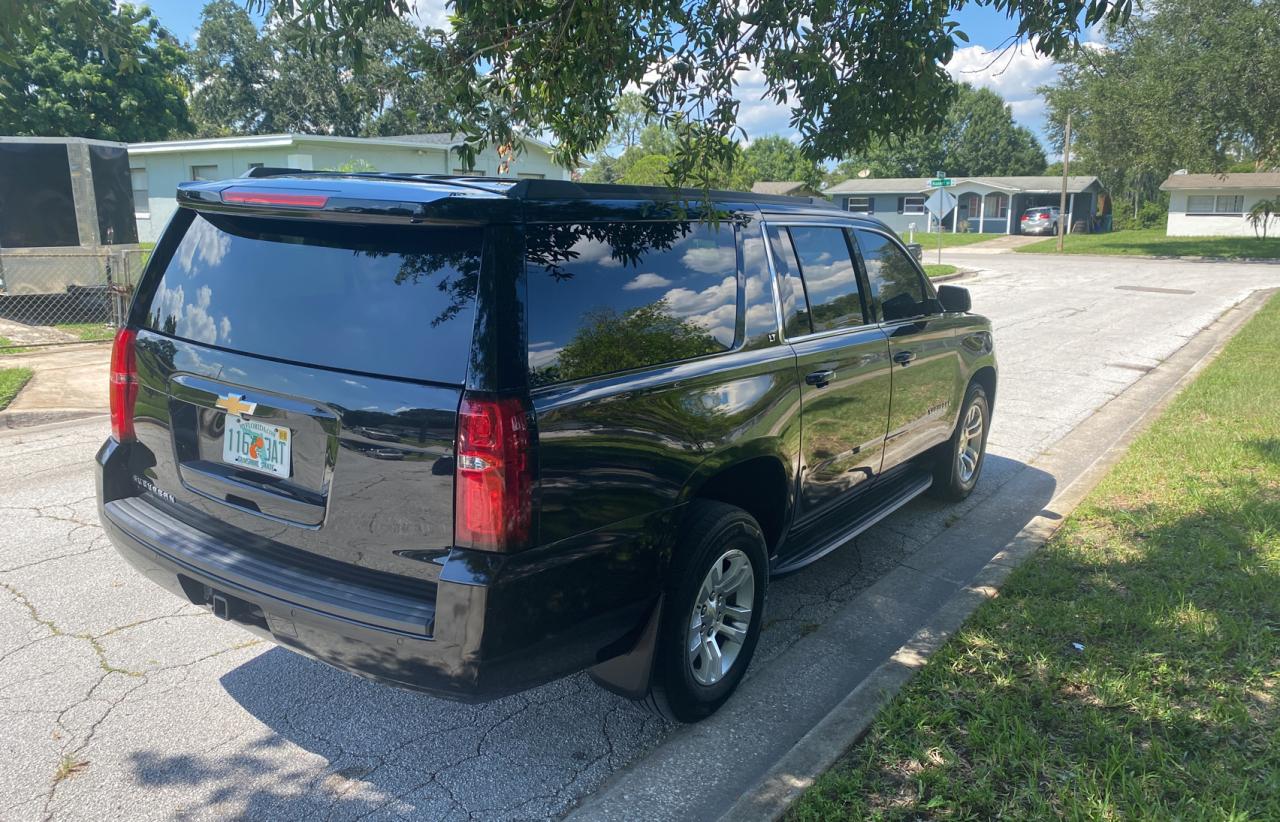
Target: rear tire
{"x":713,"y":606}
{"x":958,"y":463}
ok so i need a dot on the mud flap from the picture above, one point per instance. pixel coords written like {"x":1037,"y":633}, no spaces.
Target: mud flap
{"x":629,"y":674}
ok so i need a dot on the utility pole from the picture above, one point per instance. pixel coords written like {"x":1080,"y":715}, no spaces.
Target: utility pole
{"x":1062,"y":203}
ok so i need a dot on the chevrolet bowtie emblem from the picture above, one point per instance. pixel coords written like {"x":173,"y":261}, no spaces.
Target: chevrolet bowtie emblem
{"x":235,"y":404}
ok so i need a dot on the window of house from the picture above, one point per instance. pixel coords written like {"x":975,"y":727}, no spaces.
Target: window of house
{"x":997,"y":206}
{"x":1215,"y":204}
{"x":606,"y":297}
{"x":462,"y":172}
{"x":897,"y":285}
{"x":141,"y":194}
{"x":204,"y":172}
{"x":830,"y":280}
{"x":913,"y":205}
{"x":861,"y":205}
{"x":255,"y":165}
{"x":530,"y":175}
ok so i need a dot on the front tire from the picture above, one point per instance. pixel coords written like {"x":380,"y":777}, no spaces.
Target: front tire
{"x":959,"y":460}
{"x":712,"y":612}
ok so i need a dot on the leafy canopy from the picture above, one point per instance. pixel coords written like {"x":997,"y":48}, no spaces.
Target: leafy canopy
{"x":261,"y":82}
{"x":978,"y":137}
{"x":118,"y":78}
{"x":1187,"y":85}
{"x":849,"y":70}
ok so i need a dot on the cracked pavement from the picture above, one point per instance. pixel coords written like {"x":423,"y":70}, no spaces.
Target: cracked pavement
{"x":117,"y":699}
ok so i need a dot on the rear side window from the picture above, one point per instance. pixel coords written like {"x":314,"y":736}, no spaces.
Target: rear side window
{"x":896,"y":284}
{"x":379,"y":299}
{"x":795,"y":307}
{"x":830,"y":279}
{"x":606,"y":297}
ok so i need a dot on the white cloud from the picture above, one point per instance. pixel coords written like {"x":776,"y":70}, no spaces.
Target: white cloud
{"x":647,"y":280}
{"x":1014,"y":74}
{"x":430,"y":13}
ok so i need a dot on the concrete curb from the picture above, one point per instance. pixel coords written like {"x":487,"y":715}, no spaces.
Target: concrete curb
{"x":819,"y":749}
{"x":26,"y":419}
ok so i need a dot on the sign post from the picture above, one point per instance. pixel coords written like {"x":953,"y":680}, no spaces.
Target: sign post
{"x":940,"y":204}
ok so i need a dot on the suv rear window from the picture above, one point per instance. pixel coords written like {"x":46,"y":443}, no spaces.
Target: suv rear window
{"x":606,"y":297}
{"x":378,"y":299}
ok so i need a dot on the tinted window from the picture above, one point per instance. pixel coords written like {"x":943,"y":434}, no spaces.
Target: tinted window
{"x":379,"y":299}
{"x":607,"y":297}
{"x":896,"y":284}
{"x":795,"y":308}
{"x":830,"y":279}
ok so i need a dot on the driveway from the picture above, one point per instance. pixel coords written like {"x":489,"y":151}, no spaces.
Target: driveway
{"x":117,"y":700}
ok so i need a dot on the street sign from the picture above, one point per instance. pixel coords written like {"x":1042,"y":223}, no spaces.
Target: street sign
{"x":941,"y":182}
{"x":940,"y":203}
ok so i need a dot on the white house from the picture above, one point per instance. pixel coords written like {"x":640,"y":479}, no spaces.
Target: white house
{"x":157,"y":168}
{"x":984,"y":204}
{"x":1217,"y":205}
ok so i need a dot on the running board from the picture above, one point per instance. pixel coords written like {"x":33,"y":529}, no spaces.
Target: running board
{"x":880,"y":504}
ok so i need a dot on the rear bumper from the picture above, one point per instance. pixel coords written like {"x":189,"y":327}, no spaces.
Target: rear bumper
{"x":491,"y":626}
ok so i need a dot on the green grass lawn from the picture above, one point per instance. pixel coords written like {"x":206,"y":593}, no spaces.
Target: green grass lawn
{"x":89,"y":332}
{"x":939,"y":270}
{"x":1152,"y":242}
{"x":949,"y":240}
{"x":5,"y":341}
{"x":11,"y":382}
{"x":1168,"y":577}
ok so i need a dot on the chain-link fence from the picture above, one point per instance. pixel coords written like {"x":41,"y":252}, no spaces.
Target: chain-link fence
{"x":59,"y":296}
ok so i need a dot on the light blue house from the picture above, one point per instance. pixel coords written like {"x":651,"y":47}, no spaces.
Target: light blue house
{"x":992,"y":205}
{"x":158,"y":168}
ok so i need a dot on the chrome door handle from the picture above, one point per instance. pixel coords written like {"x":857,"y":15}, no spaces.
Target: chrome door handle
{"x":820,"y":378}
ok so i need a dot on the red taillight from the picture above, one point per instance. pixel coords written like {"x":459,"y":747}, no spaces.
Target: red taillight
{"x":276,"y":198}
{"x":493,"y":482}
{"x":124,"y":384}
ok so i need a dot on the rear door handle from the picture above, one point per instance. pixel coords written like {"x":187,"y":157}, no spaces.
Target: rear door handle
{"x":904,"y":357}
{"x":820,"y":378}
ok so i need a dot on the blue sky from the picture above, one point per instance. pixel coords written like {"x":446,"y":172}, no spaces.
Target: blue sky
{"x":1014,"y":76}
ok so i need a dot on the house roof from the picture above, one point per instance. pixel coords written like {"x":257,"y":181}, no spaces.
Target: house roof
{"x":913,"y":185}
{"x":1259,"y":179}
{"x":783,"y":187}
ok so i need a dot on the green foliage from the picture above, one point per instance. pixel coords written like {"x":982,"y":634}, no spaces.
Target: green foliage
{"x":777,"y":158}
{"x":978,"y":138}
{"x":1261,"y":215}
{"x":650,"y":161}
{"x":611,"y":341}
{"x":1151,"y":214}
{"x":1188,"y":85}
{"x":87,"y":68}
{"x":650,"y":170}
{"x":257,"y":82}
{"x":1153,"y":242}
{"x":11,"y":382}
{"x":853,"y":71}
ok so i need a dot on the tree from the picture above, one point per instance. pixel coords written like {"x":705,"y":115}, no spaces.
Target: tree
{"x":777,"y":158}
{"x":1261,"y":214}
{"x":115,"y":76}
{"x":1187,"y":85}
{"x":852,"y":70}
{"x":233,"y":67}
{"x":252,"y":82}
{"x":650,"y":161}
{"x":978,"y":138}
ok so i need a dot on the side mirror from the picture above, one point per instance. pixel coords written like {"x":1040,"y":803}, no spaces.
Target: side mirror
{"x":954,"y":299}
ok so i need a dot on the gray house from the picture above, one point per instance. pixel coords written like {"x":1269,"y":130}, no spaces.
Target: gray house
{"x":984,"y":204}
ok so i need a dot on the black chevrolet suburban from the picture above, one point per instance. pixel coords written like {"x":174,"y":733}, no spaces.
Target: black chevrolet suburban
{"x":468,"y":435}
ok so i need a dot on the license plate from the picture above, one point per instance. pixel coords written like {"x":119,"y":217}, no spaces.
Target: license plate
{"x":257,"y":445}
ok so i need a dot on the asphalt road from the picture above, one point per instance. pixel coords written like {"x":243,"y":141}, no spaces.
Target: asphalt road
{"x":116,"y":700}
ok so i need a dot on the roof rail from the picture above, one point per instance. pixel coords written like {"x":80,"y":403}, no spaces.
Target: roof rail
{"x":550,"y":189}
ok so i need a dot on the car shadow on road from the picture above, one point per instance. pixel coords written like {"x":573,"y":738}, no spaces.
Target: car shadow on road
{"x":369,"y":749}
